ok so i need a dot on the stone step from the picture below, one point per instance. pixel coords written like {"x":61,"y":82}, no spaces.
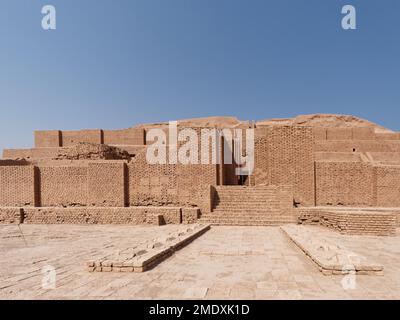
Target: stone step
{"x":251,"y":211}
{"x":254,"y":204}
{"x":237,"y":220}
{"x":244,"y":187}
{"x":228,"y":193}
{"x":246,"y":222}
{"x":251,"y":214}
{"x":249,"y":197}
{"x":234,"y":216}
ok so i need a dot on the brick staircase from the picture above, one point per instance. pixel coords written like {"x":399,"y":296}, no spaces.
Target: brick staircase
{"x":250,"y":206}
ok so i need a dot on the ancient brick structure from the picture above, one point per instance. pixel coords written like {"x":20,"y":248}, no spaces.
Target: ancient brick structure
{"x":306,"y":162}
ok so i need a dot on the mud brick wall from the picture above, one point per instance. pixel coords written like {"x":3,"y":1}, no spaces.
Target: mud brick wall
{"x":344,"y":183}
{"x":360,"y":223}
{"x":131,"y":136}
{"x":388,"y":186}
{"x":132,"y":150}
{"x":8,"y":162}
{"x":106,"y":184}
{"x":364,"y":133}
{"x":11,"y":215}
{"x":42,"y":153}
{"x":319,"y":133}
{"x":206,"y":198}
{"x":168,"y":184}
{"x":190,"y":179}
{"x":17,"y":186}
{"x":96,"y":215}
{"x":190,"y":215}
{"x":285,"y":156}
{"x":358,"y":146}
{"x":339,"y":133}
{"x":308,"y":215}
{"x":17,"y":153}
{"x":361,"y":133}
{"x":57,"y":138}
{"x":388,"y":136}
{"x":70,"y":138}
{"x":63,"y":186}
{"x":46,"y":139}
{"x":356,"y":222}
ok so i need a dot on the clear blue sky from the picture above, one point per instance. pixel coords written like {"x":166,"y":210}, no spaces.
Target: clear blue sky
{"x":113,"y":64}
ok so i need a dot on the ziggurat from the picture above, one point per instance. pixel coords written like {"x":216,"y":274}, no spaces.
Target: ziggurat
{"x":338,"y":171}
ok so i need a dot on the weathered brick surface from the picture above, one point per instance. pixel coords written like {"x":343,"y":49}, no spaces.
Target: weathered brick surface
{"x":11,"y":215}
{"x":363,"y":133}
{"x":168,"y":184}
{"x":358,"y":146}
{"x":190,"y":215}
{"x":63,"y":186}
{"x":131,"y":136}
{"x":57,"y":138}
{"x":344,"y":183}
{"x":285,"y":156}
{"x":339,"y":134}
{"x":352,"y":220}
{"x":319,"y":133}
{"x":388,"y":136}
{"x":17,"y":153}
{"x":106,"y":183}
{"x":46,"y":139}
{"x":100,"y":215}
{"x":17,"y":186}
{"x":70,"y":138}
{"x":388,"y":186}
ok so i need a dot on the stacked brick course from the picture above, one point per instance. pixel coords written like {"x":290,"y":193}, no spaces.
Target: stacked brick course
{"x":351,"y":221}
{"x":97,"y":215}
{"x":11,"y":215}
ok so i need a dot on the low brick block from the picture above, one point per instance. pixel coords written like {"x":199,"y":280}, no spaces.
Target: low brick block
{"x":11,"y":215}
{"x":190,"y":215}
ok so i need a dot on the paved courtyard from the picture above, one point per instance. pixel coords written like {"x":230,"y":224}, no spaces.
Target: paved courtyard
{"x":224,"y":263}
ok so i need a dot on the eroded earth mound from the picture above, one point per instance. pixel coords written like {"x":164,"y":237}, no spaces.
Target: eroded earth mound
{"x":92,"y":151}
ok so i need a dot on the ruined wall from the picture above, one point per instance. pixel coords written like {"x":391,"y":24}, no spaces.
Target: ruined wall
{"x":285,"y":156}
{"x":17,"y":185}
{"x":353,"y":222}
{"x":345,"y":183}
